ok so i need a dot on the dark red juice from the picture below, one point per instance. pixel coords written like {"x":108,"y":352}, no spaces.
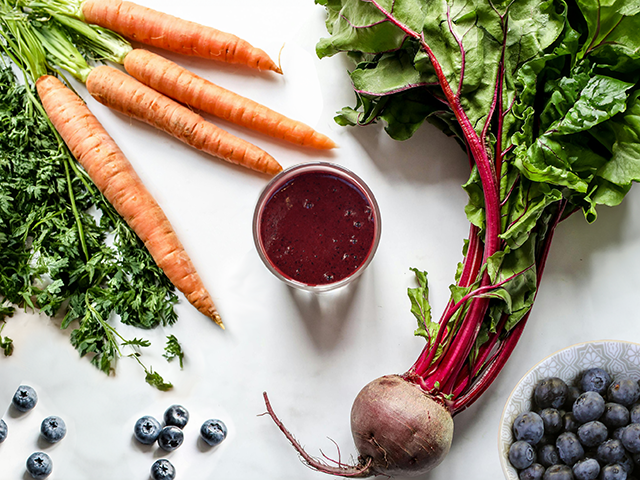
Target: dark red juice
{"x":318,"y":228}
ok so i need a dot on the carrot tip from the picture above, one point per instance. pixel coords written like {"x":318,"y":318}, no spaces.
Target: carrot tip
{"x":216,"y":318}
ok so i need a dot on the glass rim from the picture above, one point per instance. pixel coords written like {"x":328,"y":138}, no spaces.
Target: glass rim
{"x":280,"y":179}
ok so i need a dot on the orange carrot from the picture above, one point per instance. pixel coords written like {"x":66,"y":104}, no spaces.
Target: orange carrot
{"x":123,"y":93}
{"x":114,"y":176}
{"x":186,"y":87}
{"x":174,"y":34}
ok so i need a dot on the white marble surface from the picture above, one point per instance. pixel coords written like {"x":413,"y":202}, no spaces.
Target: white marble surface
{"x":312,"y":354}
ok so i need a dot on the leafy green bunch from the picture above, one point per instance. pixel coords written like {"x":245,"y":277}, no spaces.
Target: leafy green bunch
{"x":64,"y":251}
{"x":544,"y":96}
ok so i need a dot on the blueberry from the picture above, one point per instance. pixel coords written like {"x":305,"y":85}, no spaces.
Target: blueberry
{"x":176,"y":415}
{"x":587,"y":469}
{"x":25,"y":398}
{"x":634,"y":413}
{"x":528,"y":426}
{"x":534,"y":472}
{"x":595,"y":380}
{"x":521,"y":454}
{"x":53,"y":429}
{"x":548,"y":455}
{"x":610,"y":451}
{"x":558,"y":472}
{"x":588,"y":407}
{"x":569,"y":448}
{"x":572,"y":396}
{"x":3,"y":430}
{"x":631,"y":438}
{"x":592,"y":434}
{"x":146,"y":430}
{"x":163,"y":469}
{"x":170,"y":438}
{"x":551,"y":392}
{"x":624,"y":391}
{"x":547,"y":439}
{"x":213,"y":431}
{"x":617,"y":433}
{"x":615,"y":415}
{"x":569,"y":423}
{"x":39,"y":465}
{"x":613,"y":472}
{"x":552,"y":420}
{"x":627,"y":463}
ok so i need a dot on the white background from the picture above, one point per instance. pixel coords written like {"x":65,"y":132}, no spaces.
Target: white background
{"x":312,"y":354}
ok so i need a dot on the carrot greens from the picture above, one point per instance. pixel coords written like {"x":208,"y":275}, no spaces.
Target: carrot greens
{"x":64,"y":251}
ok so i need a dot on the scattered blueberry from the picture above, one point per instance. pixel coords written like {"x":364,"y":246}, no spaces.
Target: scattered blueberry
{"x":39,"y":465}
{"x":613,"y":472}
{"x":552,"y":420}
{"x":548,"y":456}
{"x":534,"y":472}
{"x":569,"y":448}
{"x":521,"y":454}
{"x":25,"y":398}
{"x":3,"y":430}
{"x":595,"y":380}
{"x":592,"y":434}
{"x":528,"y":426}
{"x":146,"y":430}
{"x":610,"y":451}
{"x":589,"y":406}
{"x":615,"y":415}
{"x":624,"y":391}
{"x":551,"y":392}
{"x":213,"y":432}
{"x":631,"y":438}
{"x":558,"y":472}
{"x":587,"y":469}
{"x":176,"y":415}
{"x":53,"y":429}
{"x":170,"y":438}
{"x":163,"y":469}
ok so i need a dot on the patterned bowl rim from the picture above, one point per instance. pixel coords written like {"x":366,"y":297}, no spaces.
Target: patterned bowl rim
{"x":503,"y":459}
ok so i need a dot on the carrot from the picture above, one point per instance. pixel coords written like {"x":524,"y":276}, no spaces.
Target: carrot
{"x":123,"y":93}
{"x":186,"y":87}
{"x":174,"y":34}
{"x":114,"y":176}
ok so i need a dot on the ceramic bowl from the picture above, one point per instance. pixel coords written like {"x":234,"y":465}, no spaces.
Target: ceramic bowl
{"x":616,"y":357}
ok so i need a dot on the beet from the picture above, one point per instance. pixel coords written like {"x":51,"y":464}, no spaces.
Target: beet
{"x":400,"y":426}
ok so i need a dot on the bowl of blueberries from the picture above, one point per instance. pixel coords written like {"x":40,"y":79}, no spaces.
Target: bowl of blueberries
{"x":575,"y":416}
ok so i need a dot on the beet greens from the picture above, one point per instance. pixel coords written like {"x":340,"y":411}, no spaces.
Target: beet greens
{"x":543,"y":95}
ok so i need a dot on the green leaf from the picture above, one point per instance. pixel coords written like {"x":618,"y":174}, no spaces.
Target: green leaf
{"x":421,"y":308}
{"x":173,"y":350}
{"x":155,"y":380}
{"x":602,"y":98}
{"x":612,"y":33}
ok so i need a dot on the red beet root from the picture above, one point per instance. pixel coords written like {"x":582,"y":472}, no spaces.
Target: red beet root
{"x":400,"y":427}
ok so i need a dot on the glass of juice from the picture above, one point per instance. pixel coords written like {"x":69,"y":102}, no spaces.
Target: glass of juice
{"x":316,"y":226}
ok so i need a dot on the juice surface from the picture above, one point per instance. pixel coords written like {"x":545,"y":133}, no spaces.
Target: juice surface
{"x":318,"y":228}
